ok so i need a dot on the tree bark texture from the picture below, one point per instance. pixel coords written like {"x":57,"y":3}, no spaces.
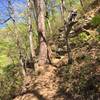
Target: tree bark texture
{"x":32,"y":49}
{"x":40,"y":11}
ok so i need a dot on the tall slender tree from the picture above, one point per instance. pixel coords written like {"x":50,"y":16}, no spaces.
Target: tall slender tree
{"x":63,"y":9}
{"x":40,"y":12}
{"x":17,"y":38}
{"x":67,"y":28}
{"x":32,"y":49}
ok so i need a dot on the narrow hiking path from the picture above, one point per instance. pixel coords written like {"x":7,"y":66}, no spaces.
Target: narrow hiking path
{"x":49,"y":82}
{"x":56,"y":82}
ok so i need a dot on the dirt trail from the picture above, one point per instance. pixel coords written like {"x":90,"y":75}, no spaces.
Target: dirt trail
{"x":46,"y":83}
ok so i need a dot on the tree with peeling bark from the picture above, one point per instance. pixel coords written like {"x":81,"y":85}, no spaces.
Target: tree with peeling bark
{"x":40,"y":12}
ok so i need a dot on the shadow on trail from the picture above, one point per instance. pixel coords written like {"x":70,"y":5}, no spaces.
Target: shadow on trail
{"x":75,"y":86}
{"x":33,"y":92}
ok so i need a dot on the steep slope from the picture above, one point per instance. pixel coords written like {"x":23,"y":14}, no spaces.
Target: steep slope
{"x":60,"y":81}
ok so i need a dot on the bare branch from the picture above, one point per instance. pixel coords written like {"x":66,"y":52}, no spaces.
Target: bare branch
{"x":4,"y":21}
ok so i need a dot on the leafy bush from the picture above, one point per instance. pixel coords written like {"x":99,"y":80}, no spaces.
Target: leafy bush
{"x":81,"y":38}
{"x":96,"y":20}
{"x":10,"y":82}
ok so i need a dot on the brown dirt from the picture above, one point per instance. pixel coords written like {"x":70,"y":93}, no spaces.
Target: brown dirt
{"x":46,"y":83}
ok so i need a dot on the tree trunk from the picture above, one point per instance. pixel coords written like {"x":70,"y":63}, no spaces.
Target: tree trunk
{"x":67,"y":30}
{"x":21,"y":59}
{"x":62,"y":10}
{"x":32,"y":49}
{"x":40,"y":11}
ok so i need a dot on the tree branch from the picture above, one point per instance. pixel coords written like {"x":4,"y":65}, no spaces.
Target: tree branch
{"x":2,"y":22}
{"x":80,"y":27}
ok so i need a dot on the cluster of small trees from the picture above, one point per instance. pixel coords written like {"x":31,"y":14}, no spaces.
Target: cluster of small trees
{"x":40,"y":12}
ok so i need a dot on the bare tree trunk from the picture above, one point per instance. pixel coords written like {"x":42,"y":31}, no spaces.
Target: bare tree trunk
{"x":63,"y":9}
{"x":40,"y":11}
{"x":21,"y":59}
{"x":67,"y":30}
{"x":32,"y":49}
{"x":70,"y":60}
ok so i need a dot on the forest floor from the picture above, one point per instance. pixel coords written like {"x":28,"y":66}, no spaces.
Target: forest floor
{"x":52,"y":84}
{"x":57,"y":81}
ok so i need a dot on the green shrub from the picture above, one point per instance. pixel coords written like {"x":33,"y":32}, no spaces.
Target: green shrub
{"x":10,"y":82}
{"x":96,"y":20}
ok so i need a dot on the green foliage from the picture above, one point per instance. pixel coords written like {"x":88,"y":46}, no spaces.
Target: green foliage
{"x":81,"y":82}
{"x":54,"y":25}
{"x":75,"y":80}
{"x":10,"y":75}
{"x":98,"y":37}
{"x":81,"y":38}
{"x":96,"y":20}
{"x":10,"y":82}
{"x":4,"y":48}
{"x":58,"y":2}
{"x":98,"y":29}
